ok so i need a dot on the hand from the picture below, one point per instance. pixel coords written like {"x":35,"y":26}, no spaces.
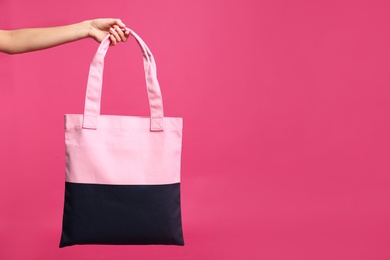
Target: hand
{"x":99,"y":28}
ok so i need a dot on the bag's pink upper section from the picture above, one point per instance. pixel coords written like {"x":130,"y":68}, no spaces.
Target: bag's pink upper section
{"x":123,"y":150}
{"x":106,"y":149}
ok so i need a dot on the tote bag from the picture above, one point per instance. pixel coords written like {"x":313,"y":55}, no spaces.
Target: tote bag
{"x":122,"y":181}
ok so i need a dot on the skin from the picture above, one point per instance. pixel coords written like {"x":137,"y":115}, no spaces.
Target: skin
{"x":33,"y":39}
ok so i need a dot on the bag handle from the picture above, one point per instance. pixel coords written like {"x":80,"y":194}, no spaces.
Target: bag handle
{"x":95,"y":80}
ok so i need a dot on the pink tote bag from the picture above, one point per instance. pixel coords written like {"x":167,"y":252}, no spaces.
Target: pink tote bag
{"x":122,"y":183}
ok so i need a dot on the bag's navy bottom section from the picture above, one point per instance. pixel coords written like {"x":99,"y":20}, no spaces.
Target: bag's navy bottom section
{"x":121,"y":214}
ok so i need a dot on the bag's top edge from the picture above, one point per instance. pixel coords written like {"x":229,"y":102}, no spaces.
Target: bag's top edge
{"x":75,"y":121}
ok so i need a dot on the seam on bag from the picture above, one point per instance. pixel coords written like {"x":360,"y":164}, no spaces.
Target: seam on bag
{"x":157,"y":124}
{"x":89,"y":122}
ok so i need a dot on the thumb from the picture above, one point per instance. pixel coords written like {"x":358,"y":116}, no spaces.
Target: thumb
{"x":117,"y":21}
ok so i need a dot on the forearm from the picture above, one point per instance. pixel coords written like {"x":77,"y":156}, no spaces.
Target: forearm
{"x":32,"y":39}
{"x":25,"y":40}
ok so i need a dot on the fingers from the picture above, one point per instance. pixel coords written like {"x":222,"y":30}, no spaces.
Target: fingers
{"x":118,"y":34}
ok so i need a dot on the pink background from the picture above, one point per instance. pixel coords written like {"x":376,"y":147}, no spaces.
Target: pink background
{"x":286,"y":108}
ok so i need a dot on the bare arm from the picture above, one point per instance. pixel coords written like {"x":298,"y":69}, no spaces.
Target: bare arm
{"x":32,"y":39}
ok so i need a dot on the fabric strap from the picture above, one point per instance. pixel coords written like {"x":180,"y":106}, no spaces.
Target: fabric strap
{"x":95,"y":80}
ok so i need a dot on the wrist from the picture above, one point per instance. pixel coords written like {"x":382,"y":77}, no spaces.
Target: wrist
{"x":87,"y":29}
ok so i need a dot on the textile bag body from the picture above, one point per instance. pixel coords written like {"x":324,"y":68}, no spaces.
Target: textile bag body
{"x":122,"y":182}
